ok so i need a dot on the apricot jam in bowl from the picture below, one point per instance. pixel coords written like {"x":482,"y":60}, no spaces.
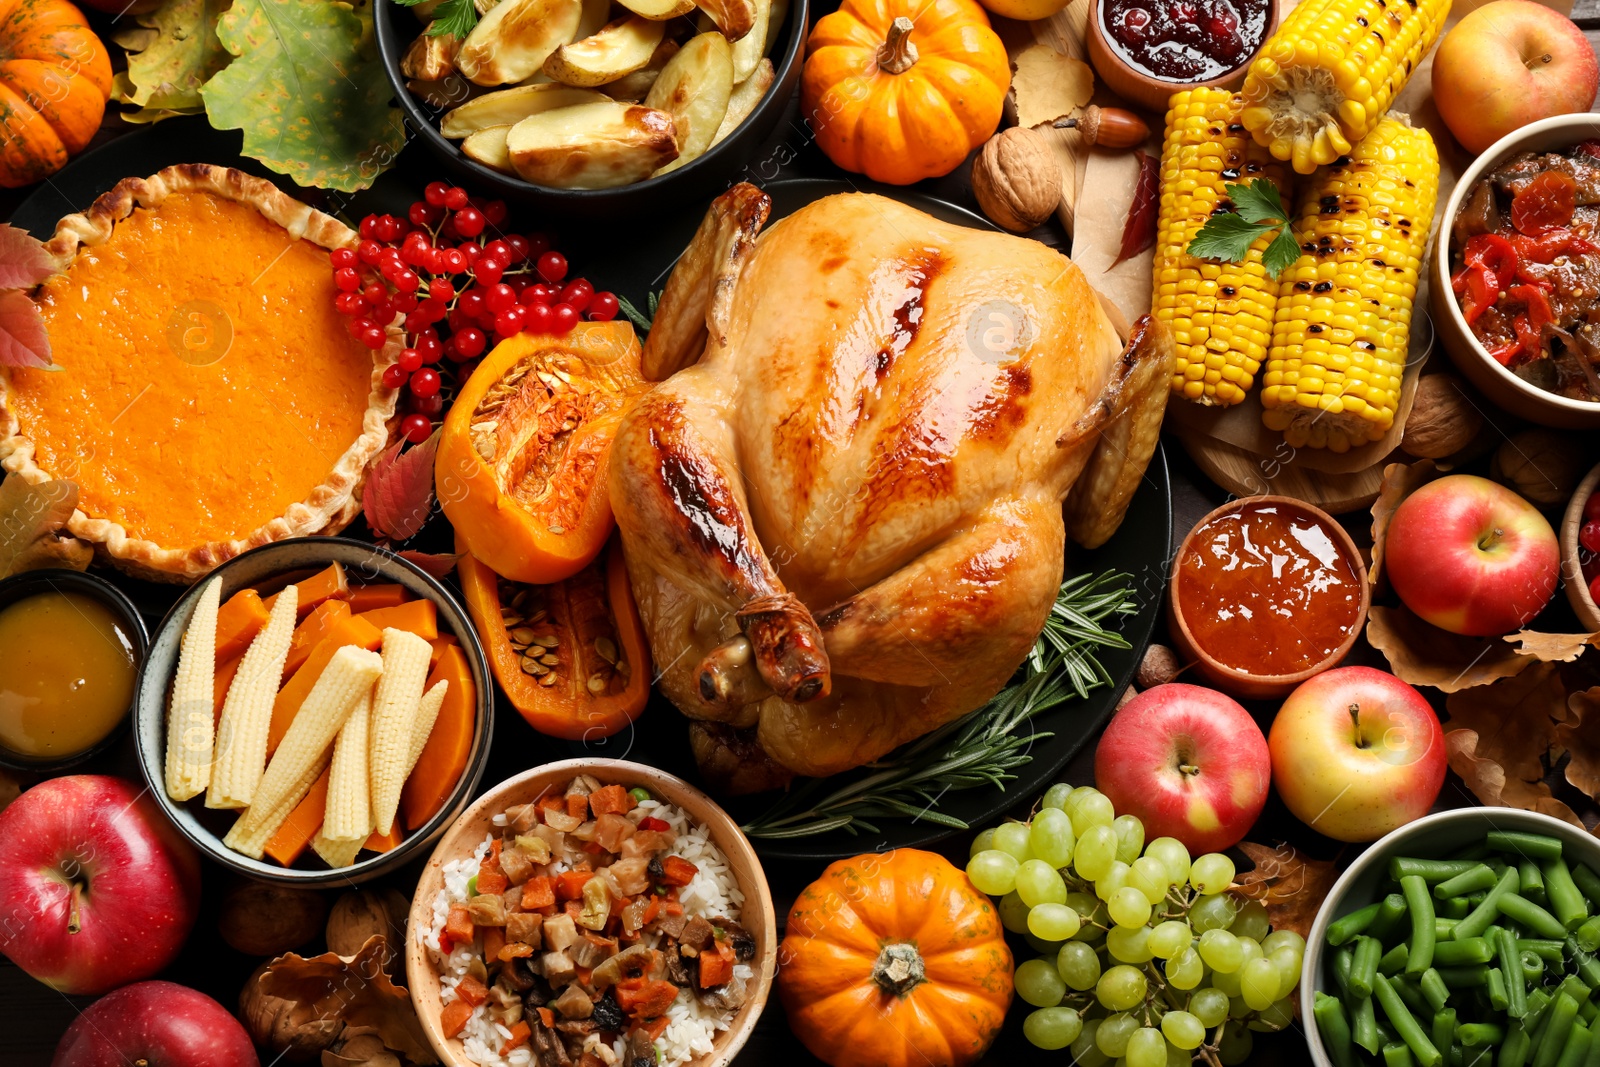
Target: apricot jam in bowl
{"x":71,"y":646}
{"x":1266,"y":592}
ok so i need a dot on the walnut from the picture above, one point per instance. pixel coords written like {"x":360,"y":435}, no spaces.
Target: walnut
{"x":1159,"y":666}
{"x":263,"y":920}
{"x":1544,"y":466}
{"x":362,"y":913}
{"x":1443,"y":419}
{"x":430,"y":58}
{"x":1016,"y":179}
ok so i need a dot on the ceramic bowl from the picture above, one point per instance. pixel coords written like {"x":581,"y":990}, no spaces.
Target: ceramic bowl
{"x":700,"y":180}
{"x":1145,"y":90}
{"x":31,"y":583}
{"x":1577,"y":586}
{"x":1499,"y":385}
{"x":206,"y":828}
{"x":469,"y":830}
{"x":1257,"y":686}
{"x":1430,"y":837}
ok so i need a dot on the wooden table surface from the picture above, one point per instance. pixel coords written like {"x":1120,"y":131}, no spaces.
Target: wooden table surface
{"x":35,"y":1016}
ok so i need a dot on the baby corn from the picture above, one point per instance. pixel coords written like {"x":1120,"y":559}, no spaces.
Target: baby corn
{"x":306,"y":748}
{"x":349,"y":813}
{"x":1343,"y":320}
{"x":427,"y":715}
{"x":1220,"y":313}
{"x":1327,"y":77}
{"x":337,"y":853}
{"x":241,"y":749}
{"x":190,"y":723}
{"x":394,"y":714}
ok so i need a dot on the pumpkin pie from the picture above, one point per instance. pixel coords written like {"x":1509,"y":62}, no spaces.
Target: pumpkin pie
{"x":208,"y":397}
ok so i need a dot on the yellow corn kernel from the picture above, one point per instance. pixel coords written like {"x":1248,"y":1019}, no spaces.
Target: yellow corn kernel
{"x":349,"y":812}
{"x":427,"y":715}
{"x":241,"y":749}
{"x":394,"y":714}
{"x":336,"y":854}
{"x":1327,"y":77}
{"x":1343,"y":321}
{"x":1217,"y":311}
{"x":191,"y":723}
{"x":306,"y":747}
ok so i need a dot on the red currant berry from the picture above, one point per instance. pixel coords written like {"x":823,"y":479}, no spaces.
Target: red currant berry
{"x":470,"y":222}
{"x":441,"y":289}
{"x":538,"y":245}
{"x":361,"y":324}
{"x":406,"y":281}
{"x":433,"y":309}
{"x":425,"y":382}
{"x":410,"y":359}
{"x":603,"y":308}
{"x":519,"y":282}
{"x":472,"y":249}
{"x":471,"y":304}
{"x":495,"y":212}
{"x":343,"y":257}
{"x":1589,"y":535}
{"x":373,"y":292}
{"x":488,"y":269}
{"x":499,"y":297}
{"x":428,"y":346}
{"x":422,"y":214}
{"x":435,"y":193}
{"x":345,"y":279}
{"x":501,"y":250}
{"x":394,"y":376}
{"x":552,"y":266}
{"x":405,"y":303}
{"x":563,"y":317}
{"x":386,"y":229}
{"x":368,"y":227}
{"x":539,"y":293}
{"x":519,"y":247}
{"x":369,"y":252}
{"x":349,"y":304}
{"x":470,"y":341}
{"x":428,"y":405}
{"x":511,"y":321}
{"x":455,"y":198}
{"x":381,"y":312}
{"x":455,"y":260}
{"x":540,"y":318}
{"x":389,"y":268}
{"x":416,"y":428}
{"x":374,"y":338}
{"x":578,"y":294}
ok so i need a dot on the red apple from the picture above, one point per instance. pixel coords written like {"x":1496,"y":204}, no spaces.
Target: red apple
{"x":1509,"y":63}
{"x":155,"y":1024}
{"x":1189,"y":762}
{"x":1471,"y":556}
{"x":97,"y":887}
{"x":1356,"y":753}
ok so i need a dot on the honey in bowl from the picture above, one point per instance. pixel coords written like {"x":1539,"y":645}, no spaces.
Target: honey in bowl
{"x":69,"y":674}
{"x":1268,"y":590}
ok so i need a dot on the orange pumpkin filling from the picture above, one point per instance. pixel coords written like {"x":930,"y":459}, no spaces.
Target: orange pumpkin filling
{"x":206,"y":381}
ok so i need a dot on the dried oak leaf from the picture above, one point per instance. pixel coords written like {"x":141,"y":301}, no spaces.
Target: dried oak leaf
{"x":171,"y":53}
{"x":1291,"y":886}
{"x":1552,"y":648}
{"x":398,"y":497}
{"x":300,"y":1007}
{"x":1580,"y":736}
{"x":1422,"y":654}
{"x":1048,"y":85}
{"x":33,"y":527}
{"x":1400,"y":480}
{"x":1498,"y":735}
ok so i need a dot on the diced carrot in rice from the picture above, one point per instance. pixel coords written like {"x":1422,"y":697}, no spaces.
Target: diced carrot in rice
{"x":471,"y":990}
{"x":453,"y":1019}
{"x":538,"y":893}
{"x":518,"y":1038}
{"x":610,"y":800}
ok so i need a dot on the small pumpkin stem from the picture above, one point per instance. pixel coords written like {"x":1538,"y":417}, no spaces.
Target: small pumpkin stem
{"x":899,"y":969}
{"x":898,"y":53}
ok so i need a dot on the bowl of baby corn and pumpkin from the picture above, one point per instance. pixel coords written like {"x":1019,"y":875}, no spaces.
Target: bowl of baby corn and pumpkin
{"x":314,"y":711}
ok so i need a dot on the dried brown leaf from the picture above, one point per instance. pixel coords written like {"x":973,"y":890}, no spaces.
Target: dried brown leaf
{"x":1580,"y":736}
{"x":1049,"y":85}
{"x":1490,"y":783}
{"x":1552,"y":648}
{"x":1498,"y":736}
{"x":1422,"y":654}
{"x":1400,"y":480}
{"x":1291,"y":886}
{"x":33,"y":527}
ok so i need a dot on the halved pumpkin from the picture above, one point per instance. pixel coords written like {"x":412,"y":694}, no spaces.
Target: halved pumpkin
{"x":521,"y":468}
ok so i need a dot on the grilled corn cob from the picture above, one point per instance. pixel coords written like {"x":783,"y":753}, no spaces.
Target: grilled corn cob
{"x":1327,"y":77}
{"x":1220,"y":313}
{"x":241,"y":750}
{"x":1343,"y":320}
{"x":191,"y":727}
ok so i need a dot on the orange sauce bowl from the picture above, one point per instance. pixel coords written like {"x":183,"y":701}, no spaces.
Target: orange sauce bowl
{"x":1265,"y":592}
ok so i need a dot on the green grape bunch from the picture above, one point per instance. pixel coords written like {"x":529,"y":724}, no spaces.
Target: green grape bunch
{"x":1145,"y":957}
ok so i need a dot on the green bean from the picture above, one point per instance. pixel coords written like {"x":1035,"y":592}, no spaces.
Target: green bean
{"x":1474,"y":899}
{"x":1334,"y":1029}
{"x":1588,"y":966}
{"x":1397,"y":1055}
{"x":1471,"y":1034}
{"x":1535,"y":846}
{"x":1566,"y":903}
{"x":1404,"y":1023}
{"x":1576,"y":1051}
{"x":1465,"y":977}
{"x":1497,"y":989}
{"x":1455,"y":907}
{"x":1574,"y":987}
{"x":1393,"y":962}
{"x":1587,"y":1012}
{"x":1433,"y":990}
{"x":1480,"y":877}
{"x":1521,"y":910}
{"x":1346,"y":927}
{"x":1538,"y":1004}
{"x":1476,"y":923}
{"x":1514,"y":1053}
{"x":1588,"y":883}
{"x":1444,"y":1027}
{"x":1341,"y":968}
{"x":1429,"y":870}
{"x":1444,"y":929}
{"x":1457,"y":953}
{"x":1391,"y":909}
{"x":1532,"y":966}
{"x":1511,"y":970}
{"x":1364,"y":965}
{"x":1563,"y":1014}
{"x":1411,"y":994}
{"x":1364,"y":1025}
{"x":1420,"y":905}
{"x":1587,"y":935}
{"x":1532,"y":880}
{"x":1547,"y":949}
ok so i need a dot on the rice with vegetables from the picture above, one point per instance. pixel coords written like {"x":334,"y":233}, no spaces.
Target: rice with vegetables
{"x":597,"y":927}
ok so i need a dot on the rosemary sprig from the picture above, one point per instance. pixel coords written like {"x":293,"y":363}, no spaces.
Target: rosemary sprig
{"x":983,"y":747}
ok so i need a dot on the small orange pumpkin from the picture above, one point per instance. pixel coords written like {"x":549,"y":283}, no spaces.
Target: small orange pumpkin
{"x":901,"y":90}
{"x":894,"y":960}
{"x":55,"y":78}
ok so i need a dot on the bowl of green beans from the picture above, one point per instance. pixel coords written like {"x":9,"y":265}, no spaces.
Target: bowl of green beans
{"x":1464,"y":939}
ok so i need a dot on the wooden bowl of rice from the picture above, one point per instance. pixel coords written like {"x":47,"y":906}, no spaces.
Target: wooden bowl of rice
{"x":743,"y":871}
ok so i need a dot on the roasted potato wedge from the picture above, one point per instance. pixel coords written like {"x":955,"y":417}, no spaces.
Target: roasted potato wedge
{"x":621,"y":48}
{"x":734,"y":18}
{"x":746,"y":95}
{"x":749,"y":49}
{"x":592,"y":146}
{"x":634,"y":87}
{"x":488,"y":146}
{"x":512,"y":41}
{"x":694,"y":88}
{"x":507,"y":107}
{"x":596,"y":13}
{"x":430,"y":58}
{"x":658,"y":10}
{"x":779,"y":10}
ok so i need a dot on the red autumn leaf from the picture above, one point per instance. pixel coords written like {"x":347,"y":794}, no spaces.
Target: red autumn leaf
{"x":23,"y":261}
{"x":23,"y":340}
{"x":436,"y":564}
{"x":399,"y":495}
{"x":1139,"y":232}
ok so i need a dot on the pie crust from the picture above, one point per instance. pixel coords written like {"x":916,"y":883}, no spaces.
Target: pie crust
{"x":328,"y":507}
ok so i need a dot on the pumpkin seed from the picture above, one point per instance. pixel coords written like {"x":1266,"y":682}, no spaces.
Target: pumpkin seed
{"x":546,"y":640}
{"x":548,"y":680}
{"x":597,"y":683}
{"x":523,"y":636}
{"x":606,"y":648}
{"x":550,"y":659}
{"x":533,"y":667}
{"x":558,"y":530}
{"x":538,"y":615}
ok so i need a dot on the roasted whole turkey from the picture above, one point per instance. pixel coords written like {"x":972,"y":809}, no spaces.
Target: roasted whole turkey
{"x":844,"y":505}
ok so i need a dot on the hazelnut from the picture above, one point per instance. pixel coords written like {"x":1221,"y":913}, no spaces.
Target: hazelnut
{"x":1159,"y":666}
{"x":1443,"y":419}
{"x":1543,"y":466}
{"x":1016,"y":179}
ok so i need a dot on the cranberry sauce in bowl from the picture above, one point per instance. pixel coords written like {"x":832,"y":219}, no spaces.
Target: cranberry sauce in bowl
{"x":1185,"y":41}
